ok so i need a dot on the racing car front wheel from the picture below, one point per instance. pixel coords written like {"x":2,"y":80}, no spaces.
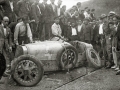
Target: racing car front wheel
{"x":27,"y":70}
{"x":67,"y":58}
{"x":93,"y":58}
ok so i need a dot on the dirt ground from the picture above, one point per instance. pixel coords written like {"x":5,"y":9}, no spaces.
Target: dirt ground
{"x":77,"y":79}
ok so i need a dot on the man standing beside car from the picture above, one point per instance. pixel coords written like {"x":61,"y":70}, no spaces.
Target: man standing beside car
{"x":5,"y":43}
{"x":23,"y":34}
{"x":36,"y":15}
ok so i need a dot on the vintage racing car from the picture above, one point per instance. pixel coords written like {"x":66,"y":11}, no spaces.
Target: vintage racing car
{"x":32,"y":60}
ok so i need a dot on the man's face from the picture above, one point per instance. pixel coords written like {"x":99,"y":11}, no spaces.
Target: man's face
{"x":59,"y":2}
{"x":79,"y":22}
{"x":52,"y":1}
{"x":73,"y":24}
{"x":5,"y":22}
{"x":57,"y":21}
{"x":115,"y":20}
{"x":86,"y":22}
{"x":72,"y":11}
{"x":105,"y":19}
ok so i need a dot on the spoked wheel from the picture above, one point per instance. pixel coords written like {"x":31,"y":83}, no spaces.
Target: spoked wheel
{"x":68,"y":58}
{"x":27,"y":70}
{"x":93,"y":58}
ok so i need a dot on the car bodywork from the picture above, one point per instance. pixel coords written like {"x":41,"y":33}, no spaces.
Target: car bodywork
{"x":53,"y":56}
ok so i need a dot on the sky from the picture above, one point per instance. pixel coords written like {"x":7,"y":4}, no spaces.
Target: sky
{"x":69,"y":3}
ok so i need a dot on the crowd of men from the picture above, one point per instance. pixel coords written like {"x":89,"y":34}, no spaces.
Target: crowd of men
{"x":24,"y":21}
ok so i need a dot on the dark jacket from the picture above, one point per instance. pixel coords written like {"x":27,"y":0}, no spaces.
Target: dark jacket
{"x":7,"y":9}
{"x":95,"y":32}
{"x":23,"y":8}
{"x":69,"y":34}
{"x":35,"y":13}
{"x":52,"y":13}
{"x":5,"y":41}
{"x":45,"y":13}
{"x":86,"y":33}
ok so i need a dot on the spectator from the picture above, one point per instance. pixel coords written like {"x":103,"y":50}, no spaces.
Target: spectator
{"x":79,"y":27}
{"x":56,"y":29}
{"x":78,"y":6}
{"x":114,"y":44}
{"x":81,"y":15}
{"x":92,"y":14}
{"x":86,"y":12}
{"x":23,"y":8}
{"x":5,"y":43}
{"x":52,"y":14}
{"x":59,"y":7}
{"x":86,"y":31}
{"x":72,"y":32}
{"x":8,"y":7}
{"x":36,"y":15}
{"x":22,"y":34}
{"x":46,"y":20}
{"x":63,"y":10}
{"x":95,"y":42}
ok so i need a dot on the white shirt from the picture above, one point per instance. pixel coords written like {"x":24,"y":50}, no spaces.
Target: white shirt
{"x":79,"y":28}
{"x":101,"y":29}
{"x":74,"y":32}
{"x":11,"y":5}
{"x":4,"y":30}
{"x":86,"y":15}
{"x":56,"y":29}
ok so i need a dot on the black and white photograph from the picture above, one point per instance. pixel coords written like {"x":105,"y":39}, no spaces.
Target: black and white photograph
{"x":59,"y":44}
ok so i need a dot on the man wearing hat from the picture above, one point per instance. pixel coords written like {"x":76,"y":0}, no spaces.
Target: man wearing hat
{"x":111,"y":15}
{"x":104,"y":36}
{"x":86,"y":31}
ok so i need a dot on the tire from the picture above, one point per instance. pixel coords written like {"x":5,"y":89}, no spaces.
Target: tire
{"x":27,"y":70}
{"x":90,"y":55}
{"x":71,"y":55}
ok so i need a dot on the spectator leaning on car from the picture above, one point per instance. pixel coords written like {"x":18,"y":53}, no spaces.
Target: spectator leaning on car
{"x":23,"y":32}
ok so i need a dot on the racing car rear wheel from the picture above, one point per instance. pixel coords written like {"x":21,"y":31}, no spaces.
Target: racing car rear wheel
{"x":93,"y":58}
{"x":68,"y":58}
{"x":27,"y":70}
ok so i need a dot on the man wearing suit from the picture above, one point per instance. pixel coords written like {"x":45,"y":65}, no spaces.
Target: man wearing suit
{"x":72,"y":32}
{"x":95,"y":28}
{"x":52,"y":14}
{"x":59,"y":7}
{"x":8,"y":7}
{"x":46,"y":20}
{"x":36,"y":15}
{"x":53,"y":10}
{"x":78,"y":6}
{"x":23,"y":8}
{"x":86,"y":32}
{"x":5,"y":43}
